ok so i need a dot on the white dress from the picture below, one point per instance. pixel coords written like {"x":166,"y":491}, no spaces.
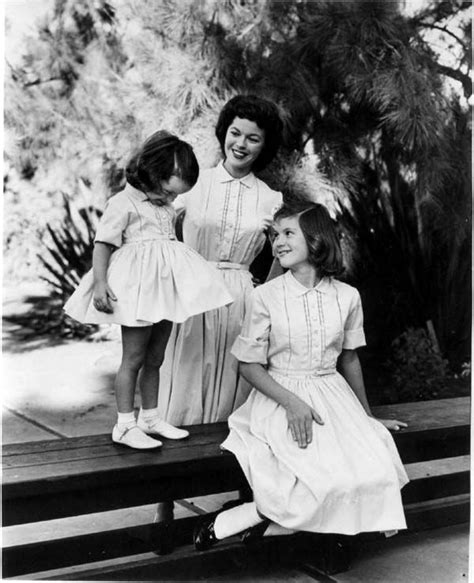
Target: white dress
{"x":199,"y":379}
{"x":348,"y":479}
{"x":154,"y":276}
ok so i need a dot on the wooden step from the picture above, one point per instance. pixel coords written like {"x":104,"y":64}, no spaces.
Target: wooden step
{"x":437,"y":479}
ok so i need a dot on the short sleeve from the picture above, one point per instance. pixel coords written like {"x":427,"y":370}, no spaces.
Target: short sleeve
{"x":252,"y":343}
{"x":113,"y":222}
{"x":354,"y":336}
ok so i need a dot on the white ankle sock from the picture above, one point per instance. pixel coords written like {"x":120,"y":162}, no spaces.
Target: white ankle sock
{"x":148,"y":414}
{"x":274,"y":529}
{"x":126,"y":420}
{"x":236,"y":520}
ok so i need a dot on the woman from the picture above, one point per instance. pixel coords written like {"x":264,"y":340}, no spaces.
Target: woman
{"x":226,"y":215}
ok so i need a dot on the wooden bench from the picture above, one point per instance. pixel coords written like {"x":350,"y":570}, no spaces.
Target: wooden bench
{"x":69,"y":477}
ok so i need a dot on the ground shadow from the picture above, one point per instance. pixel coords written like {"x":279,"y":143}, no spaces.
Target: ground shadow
{"x":39,"y":323}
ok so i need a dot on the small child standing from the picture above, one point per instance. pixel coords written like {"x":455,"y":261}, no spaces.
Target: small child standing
{"x":314,"y":456}
{"x":144,"y":279}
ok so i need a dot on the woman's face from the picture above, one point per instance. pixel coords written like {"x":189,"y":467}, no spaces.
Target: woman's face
{"x":243,"y":144}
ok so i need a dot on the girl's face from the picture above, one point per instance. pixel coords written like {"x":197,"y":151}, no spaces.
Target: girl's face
{"x":243,"y":144}
{"x":289,"y":244}
{"x":169,"y":190}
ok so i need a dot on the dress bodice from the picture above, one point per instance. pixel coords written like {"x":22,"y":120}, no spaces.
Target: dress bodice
{"x":295,"y":330}
{"x":224,"y":216}
{"x":131,"y":217}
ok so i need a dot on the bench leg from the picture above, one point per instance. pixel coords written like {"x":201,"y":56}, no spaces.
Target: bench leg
{"x":164,"y":514}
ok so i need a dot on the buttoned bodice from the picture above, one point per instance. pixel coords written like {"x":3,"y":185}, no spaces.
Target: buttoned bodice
{"x":295,"y":330}
{"x":224,"y":216}
{"x":131,"y":217}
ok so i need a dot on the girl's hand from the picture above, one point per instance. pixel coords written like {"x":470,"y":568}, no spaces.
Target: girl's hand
{"x":103,"y":296}
{"x":300,"y":421}
{"x":393,"y":424}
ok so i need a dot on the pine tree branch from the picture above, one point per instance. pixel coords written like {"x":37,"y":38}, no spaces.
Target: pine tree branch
{"x":456,"y":74}
{"x":447,"y":31}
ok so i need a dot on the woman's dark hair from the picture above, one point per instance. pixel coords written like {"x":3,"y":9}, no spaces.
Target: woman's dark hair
{"x":161,"y":156}
{"x":261,"y":111}
{"x":320,"y":233}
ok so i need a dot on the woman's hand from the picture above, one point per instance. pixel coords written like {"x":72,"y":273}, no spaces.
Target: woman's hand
{"x":266,"y":222}
{"x":103,"y":296}
{"x":300,"y":421}
{"x":393,"y":424}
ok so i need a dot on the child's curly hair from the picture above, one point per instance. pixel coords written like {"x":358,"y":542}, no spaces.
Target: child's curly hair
{"x":320,"y":233}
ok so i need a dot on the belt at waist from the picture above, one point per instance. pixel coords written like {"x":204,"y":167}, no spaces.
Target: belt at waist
{"x":229,"y":265}
{"x":288,"y":372}
{"x":149,"y":239}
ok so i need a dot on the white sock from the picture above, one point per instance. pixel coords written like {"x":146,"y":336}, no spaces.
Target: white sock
{"x":148,"y":414}
{"x":236,"y":520}
{"x":274,"y":529}
{"x":126,"y":420}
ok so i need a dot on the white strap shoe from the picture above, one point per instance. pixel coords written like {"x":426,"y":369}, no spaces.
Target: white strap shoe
{"x":157,"y":426}
{"x":134,"y":437}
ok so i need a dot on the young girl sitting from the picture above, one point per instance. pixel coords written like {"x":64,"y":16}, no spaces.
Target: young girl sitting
{"x":143,"y":279}
{"x":312,"y":453}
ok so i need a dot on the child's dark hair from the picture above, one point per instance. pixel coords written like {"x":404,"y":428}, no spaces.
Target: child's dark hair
{"x":261,"y":111}
{"x":320,"y":233}
{"x":161,"y":156}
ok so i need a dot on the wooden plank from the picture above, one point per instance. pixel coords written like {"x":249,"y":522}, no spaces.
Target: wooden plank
{"x":46,"y":505}
{"x":437,"y":513}
{"x":420,"y":415}
{"x":437,"y":479}
{"x":204,"y":433}
{"x":424,"y":415}
{"x":229,"y":557}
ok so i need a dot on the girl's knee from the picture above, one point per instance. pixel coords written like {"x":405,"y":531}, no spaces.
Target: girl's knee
{"x":153,"y":361}
{"x":133,"y":362}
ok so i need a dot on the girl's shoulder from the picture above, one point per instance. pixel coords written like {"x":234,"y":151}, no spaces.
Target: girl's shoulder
{"x":345,"y":290}
{"x":271,"y":288}
{"x":125,"y":197}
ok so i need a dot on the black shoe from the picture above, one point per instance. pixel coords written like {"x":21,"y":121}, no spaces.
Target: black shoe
{"x":204,"y":537}
{"x":254,"y":533}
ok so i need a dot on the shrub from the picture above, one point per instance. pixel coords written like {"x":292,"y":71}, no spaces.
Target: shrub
{"x":68,"y":256}
{"x":418,"y":370}
{"x":69,"y":250}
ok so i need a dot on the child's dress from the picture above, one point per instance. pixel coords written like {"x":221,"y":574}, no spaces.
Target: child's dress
{"x":153,"y":276}
{"x":349,"y":477}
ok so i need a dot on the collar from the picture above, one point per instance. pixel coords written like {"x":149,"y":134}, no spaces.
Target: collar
{"x":141,"y":196}
{"x":223,"y":176}
{"x":297,"y":289}
{"x":136,"y":194}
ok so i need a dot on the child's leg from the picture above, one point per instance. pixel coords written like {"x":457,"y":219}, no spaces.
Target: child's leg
{"x":126,"y":432}
{"x":148,"y":419}
{"x":154,"y":355}
{"x":134,"y":345}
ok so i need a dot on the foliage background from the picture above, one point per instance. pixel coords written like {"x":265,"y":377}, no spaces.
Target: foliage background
{"x":375,"y":100}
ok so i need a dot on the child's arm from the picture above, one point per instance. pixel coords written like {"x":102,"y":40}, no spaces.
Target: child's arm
{"x":349,"y":366}
{"x":102,"y":292}
{"x":300,"y":415}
